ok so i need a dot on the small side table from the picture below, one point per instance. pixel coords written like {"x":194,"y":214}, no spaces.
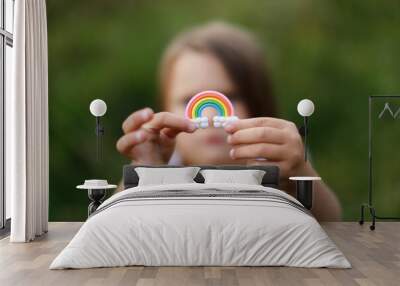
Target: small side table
{"x":304,"y":189}
{"x":97,"y":190}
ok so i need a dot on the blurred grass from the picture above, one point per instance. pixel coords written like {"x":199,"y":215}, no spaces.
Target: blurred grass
{"x":336,"y":53}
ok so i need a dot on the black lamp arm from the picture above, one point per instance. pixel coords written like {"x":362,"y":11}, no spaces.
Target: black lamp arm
{"x":99,"y":133}
{"x":304,"y":130}
{"x":305,"y":137}
{"x":99,"y":128}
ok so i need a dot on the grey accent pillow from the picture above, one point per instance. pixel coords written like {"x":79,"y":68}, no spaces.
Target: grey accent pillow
{"x":163,"y":176}
{"x":248,"y":177}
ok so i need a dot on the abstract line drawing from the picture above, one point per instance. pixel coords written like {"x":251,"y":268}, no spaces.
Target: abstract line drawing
{"x":386,"y":109}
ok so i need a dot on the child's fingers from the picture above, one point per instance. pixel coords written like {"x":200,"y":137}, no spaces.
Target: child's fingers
{"x":260,"y":150}
{"x":255,"y":122}
{"x":169,"y":120}
{"x":257,"y":135}
{"x":137,"y":119}
{"x":128,"y":141}
{"x":170,"y":132}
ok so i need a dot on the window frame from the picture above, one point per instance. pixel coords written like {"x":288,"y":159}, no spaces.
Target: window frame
{"x":6,"y":39}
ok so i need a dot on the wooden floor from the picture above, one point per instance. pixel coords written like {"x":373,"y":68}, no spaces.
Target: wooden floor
{"x":375,"y":257}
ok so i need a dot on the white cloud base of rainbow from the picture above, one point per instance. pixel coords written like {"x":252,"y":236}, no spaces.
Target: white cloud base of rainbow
{"x":218,"y":121}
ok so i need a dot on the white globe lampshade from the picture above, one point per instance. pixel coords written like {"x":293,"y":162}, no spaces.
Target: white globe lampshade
{"x":305,"y":107}
{"x":98,"y":107}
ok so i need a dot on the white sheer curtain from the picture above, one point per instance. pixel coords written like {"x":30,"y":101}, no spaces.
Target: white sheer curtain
{"x":27,"y":124}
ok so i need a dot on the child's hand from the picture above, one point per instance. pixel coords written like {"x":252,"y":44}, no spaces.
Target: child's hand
{"x":149,"y":137}
{"x":276,"y":140}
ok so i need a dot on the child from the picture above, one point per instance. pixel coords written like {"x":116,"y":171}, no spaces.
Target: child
{"x":224,"y":58}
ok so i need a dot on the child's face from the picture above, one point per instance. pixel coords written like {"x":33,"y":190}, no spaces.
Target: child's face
{"x":194,"y":72}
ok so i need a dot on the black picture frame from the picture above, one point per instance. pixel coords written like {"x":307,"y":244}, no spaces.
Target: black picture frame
{"x":369,"y":205}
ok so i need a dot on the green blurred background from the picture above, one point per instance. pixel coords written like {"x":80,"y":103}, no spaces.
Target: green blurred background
{"x":336,"y":53}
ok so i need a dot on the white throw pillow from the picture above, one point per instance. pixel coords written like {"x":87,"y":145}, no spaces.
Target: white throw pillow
{"x":248,"y":177}
{"x":163,"y":176}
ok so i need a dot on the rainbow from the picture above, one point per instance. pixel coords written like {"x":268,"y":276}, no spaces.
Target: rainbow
{"x":208,"y":98}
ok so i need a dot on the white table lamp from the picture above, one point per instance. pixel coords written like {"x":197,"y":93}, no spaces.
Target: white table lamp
{"x":305,"y":108}
{"x":98,"y":108}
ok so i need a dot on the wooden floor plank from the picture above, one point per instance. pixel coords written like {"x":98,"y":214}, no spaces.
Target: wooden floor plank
{"x":374,"y":255}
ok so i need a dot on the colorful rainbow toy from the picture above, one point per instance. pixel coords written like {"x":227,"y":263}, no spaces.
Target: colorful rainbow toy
{"x":210,"y":99}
